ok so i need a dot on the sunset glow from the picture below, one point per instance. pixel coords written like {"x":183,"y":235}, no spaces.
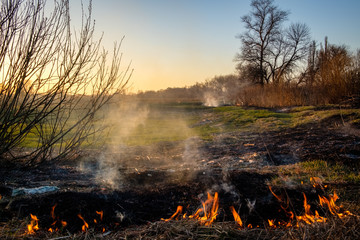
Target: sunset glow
{"x":179,"y":43}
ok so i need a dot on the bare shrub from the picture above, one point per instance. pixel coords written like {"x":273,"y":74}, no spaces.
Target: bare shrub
{"x":54,"y":80}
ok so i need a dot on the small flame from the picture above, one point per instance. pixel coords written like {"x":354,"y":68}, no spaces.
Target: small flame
{"x":85,"y":226}
{"x":101,"y":214}
{"x":308,"y":217}
{"x":175,"y":215}
{"x":205,"y":215}
{"x":333,"y":208}
{"x":52,"y":213}
{"x":34,"y":225}
{"x":237,"y":217}
{"x":271,"y":223}
{"x":209,"y":210}
{"x":316,"y":182}
{"x":63,"y":223}
{"x":276,"y":196}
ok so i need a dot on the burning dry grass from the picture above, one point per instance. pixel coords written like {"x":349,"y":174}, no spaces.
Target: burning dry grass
{"x":185,"y":229}
{"x":348,"y":228}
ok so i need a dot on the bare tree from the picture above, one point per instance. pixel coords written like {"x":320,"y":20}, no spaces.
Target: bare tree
{"x":54,"y":80}
{"x":267,"y":46}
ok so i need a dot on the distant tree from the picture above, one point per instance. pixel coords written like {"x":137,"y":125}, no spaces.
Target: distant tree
{"x":269,"y":50}
{"x":333,"y":71}
{"x":54,"y":80}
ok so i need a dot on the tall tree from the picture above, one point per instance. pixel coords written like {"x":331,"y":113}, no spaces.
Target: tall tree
{"x":270,"y":49}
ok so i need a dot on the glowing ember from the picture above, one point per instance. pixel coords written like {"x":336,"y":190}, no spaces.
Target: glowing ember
{"x":316,"y":182}
{"x":85,"y":226}
{"x":237,"y":217}
{"x":63,"y":223}
{"x":33,"y":226}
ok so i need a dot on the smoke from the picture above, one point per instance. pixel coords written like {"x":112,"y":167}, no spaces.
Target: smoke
{"x":191,"y":151}
{"x":143,"y":137}
{"x":108,"y":172}
{"x":222,"y":90}
{"x":212,"y":99}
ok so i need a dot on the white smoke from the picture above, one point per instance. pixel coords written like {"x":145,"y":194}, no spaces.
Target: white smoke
{"x":212,"y":99}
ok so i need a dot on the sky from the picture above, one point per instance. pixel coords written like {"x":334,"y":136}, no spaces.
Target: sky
{"x":177,"y":43}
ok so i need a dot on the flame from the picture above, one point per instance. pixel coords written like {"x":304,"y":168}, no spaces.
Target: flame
{"x":52,"y":213}
{"x":85,"y":226}
{"x":308,"y":217}
{"x":276,"y":196}
{"x":63,"y":223}
{"x":175,"y":215}
{"x":209,"y":210}
{"x":205,"y":214}
{"x":237,"y":217}
{"x":101,"y":214}
{"x":34,"y":225}
{"x":333,"y":208}
{"x":55,"y":221}
{"x":271,"y":223}
{"x":316,"y":182}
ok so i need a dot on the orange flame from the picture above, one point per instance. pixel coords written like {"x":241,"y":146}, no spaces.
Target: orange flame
{"x":209,"y":210}
{"x":205,"y":215}
{"x":276,"y":196}
{"x":271,"y":223}
{"x":85,"y":226}
{"x":101,"y":214}
{"x":175,"y":215}
{"x":308,"y":217}
{"x":34,"y":225}
{"x":52,"y":213}
{"x":63,"y":223}
{"x":237,"y":217}
{"x":333,"y":208}
{"x":316,"y":182}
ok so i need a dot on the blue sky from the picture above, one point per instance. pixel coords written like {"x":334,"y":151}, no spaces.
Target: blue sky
{"x":176,"y":43}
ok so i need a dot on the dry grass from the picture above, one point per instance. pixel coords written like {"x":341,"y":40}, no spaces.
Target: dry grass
{"x":347,"y":228}
{"x":283,"y":95}
{"x":335,"y":229}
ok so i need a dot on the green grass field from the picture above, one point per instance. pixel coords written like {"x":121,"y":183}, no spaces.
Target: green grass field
{"x":161,"y":122}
